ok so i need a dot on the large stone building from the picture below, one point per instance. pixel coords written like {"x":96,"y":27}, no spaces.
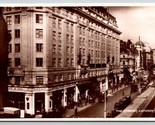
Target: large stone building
{"x":144,"y":60}
{"x":58,"y":55}
{"x":140,"y":57}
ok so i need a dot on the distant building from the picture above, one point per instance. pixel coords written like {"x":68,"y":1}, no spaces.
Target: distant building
{"x":153,"y":50}
{"x":145,"y":55}
{"x":140,"y":58}
{"x":128,"y":53}
{"x":58,"y":55}
{"x":148,"y":57}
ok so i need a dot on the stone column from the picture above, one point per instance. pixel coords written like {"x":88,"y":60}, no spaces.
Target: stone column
{"x":101,"y":86}
{"x":30,"y":103}
{"x":76,"y":94}
{"x":48,"y":101}
{"x":64,"y":98}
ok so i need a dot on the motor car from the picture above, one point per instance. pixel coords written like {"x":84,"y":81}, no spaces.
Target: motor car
{"x":152,"y":84}
{"x":134,"y":88}
{"x":10,"y":112}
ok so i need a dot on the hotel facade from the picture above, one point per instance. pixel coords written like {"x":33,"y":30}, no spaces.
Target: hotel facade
{"x":59,"y":55}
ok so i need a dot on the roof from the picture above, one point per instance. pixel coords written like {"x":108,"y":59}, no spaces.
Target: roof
{"x":139,"y":43}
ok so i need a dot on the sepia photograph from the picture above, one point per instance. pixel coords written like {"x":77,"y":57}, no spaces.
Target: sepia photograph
{"x":77,"y":62}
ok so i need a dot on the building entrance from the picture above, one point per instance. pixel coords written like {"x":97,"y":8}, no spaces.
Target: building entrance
{"x":39,"y":102}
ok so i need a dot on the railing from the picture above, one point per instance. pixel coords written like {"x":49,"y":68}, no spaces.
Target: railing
{"x":15,"y":70}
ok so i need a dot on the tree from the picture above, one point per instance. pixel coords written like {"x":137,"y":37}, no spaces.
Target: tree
{"x":127,"y":74}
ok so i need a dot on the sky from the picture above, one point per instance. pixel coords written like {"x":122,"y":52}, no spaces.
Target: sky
{"x":135,"y":21}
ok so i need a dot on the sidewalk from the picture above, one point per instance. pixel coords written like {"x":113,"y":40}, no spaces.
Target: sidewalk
{"x":71,"y":112}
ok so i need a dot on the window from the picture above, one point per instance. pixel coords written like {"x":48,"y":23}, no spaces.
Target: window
{"x":84,"y":31}
{"x":59,"y":24}
{"x":54,"y":62}
{"x":9,"y":20}
{"x":123,"y":62}
{"x":80,"y":30}
{"x":80,"y":42}
{"x":10,"y":48}
{"x":17,"y":80}
{"x":72,"y":28}
{"x":17,"y":48}
{"x":67,"y":38}
{"x":59,"y":49}
{"x":54,"y":22}
{"x":72,"y":62}
{"x":59,"y":62}
{"x":72,"y":51}
{"x":39,"y":80}
{"x":67,"y":61}
{"x":39,"y":33}
{"x":17,"y":33}
{"x":17,"y":62}
{"x":83,"y":41}
{"x":39,"y":62}
{"x":17,"y":8}
{"x":10,"y":62}
{"x":10,"y":32}
{"x":67,"y":50}
{"x":54,"y":48}
{"x":39,"y":47}
{"x":59,"y":37}
{"x":39,"y":8}
{"x":39,"y":18}
{"x":83,"y":52}
{"x":17,"y":19}
{"x":28,"y":105}
{"x":61,"y":78}
{"x":54,"y":36}
{"x":67,"y":26}
{"x":72,"y":39}
{"x":8,"y":8}
{"x":55,"y":78}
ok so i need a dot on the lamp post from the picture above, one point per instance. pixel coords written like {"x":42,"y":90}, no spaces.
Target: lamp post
{"x":105,"y":93}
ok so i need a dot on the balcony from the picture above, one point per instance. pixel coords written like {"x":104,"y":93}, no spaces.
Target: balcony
{"x":13,"y":71}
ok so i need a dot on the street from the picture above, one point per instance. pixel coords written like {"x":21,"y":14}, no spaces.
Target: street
{"x":97,"y":110}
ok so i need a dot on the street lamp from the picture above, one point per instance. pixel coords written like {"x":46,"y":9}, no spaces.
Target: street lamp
{"x":105,"y":93}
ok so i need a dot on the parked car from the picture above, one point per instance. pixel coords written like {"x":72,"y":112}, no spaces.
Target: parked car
{"x":10,"y":112}
{"x":134,"y":88}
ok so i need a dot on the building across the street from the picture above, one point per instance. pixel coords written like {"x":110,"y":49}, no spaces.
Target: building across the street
{"x":144,"y":60}
{"x":59,"y":55}
{"x":128,"y":53}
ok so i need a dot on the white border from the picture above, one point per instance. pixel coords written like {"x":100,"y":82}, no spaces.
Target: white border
{"x":77,"y":119}
{"x":76,"y":4}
